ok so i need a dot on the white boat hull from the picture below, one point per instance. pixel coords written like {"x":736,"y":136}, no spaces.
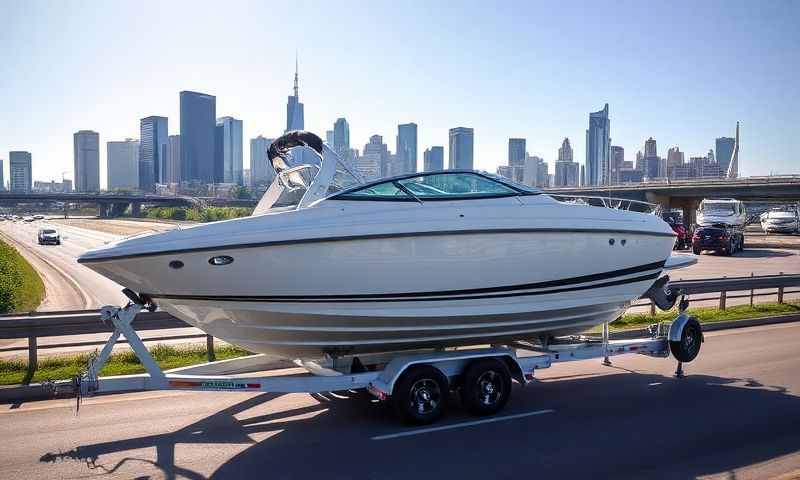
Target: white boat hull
{"x":400,"y":292}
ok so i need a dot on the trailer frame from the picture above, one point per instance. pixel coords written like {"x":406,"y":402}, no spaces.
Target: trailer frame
{"x":381,"y":375}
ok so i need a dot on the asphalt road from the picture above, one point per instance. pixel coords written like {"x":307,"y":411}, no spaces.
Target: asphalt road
{"x":736,"y":415}
{"x":69,"y":285}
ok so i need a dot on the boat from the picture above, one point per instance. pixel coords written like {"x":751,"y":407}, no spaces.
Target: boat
{"x":721,"y":211}
{"x":329,"y":265}
{"x":780,"y":220}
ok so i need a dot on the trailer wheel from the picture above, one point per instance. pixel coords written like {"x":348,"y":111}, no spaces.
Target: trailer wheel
{"x":420,"y":395}
{"x":688,"y":347}
{"x":696,"y":250}
{"x":486,"y":386}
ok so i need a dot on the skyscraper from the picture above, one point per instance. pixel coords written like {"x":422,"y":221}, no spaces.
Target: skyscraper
{"x":294,"y":109}
{"x":198,"y":121}
{"x":173,"y":173}
{"x":460,"y":156}
{"x":407,"y":147}
{"x":122,"y":165}
{"x":20,"y":171}
{"x":567,"y":172}
{"x":650,"y":148}
{"x":261,"y":171}
{"x":2,"y":182}
{"x":376,"y":146}
{"x":329,"y":138}
{"x":565,"y":152}
{"x":231,"y":158}
{"x":733,"y":166}
{"x":341,"y":138}
{"x":675,"y":164}
{"x":433,"y":159}
{"x":516,"y":152}
{"x":152,"y":152}
{"x":651,"y":162}
{"x":86,"y":154}
{"x":617,"y":162}
{"x":368,"y":165}
{"x":598,"y":143}
{"x":724,"y":152}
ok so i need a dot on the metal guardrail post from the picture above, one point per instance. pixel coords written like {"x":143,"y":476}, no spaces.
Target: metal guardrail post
{"x":212,"y":356}
{"x":723,"y":297}
{"x":33,"y":360}
{"x":751,"y":293}
{"x":780,"y":292}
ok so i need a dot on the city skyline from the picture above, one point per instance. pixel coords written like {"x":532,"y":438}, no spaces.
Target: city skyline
{"x":536,"y":102}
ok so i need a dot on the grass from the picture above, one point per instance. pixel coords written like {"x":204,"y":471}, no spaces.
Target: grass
{"x":208,"y":214}
{"x":121,"y":363}
{"x":710,"y":314}
{"x":21,"y":288}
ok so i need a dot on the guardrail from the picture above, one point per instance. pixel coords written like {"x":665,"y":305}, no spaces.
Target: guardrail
{"x":78,"y":322}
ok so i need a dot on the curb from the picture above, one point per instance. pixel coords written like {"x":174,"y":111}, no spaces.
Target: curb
{"x":16,"y":394}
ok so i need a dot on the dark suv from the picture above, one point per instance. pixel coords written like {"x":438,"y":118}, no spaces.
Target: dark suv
{"x":719,"y":238}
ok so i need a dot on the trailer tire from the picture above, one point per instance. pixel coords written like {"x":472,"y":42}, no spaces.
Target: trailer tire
{"x":696,"y":250}
{"x":486,"y":386}
{"x":420,"y":395}
{"x":686,"y":349}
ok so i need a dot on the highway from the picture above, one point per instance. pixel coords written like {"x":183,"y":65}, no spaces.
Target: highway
{"x":736,"y":415}
{"x":68,"y":285}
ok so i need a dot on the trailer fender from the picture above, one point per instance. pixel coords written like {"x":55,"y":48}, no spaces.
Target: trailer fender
{"x":676,"y":329}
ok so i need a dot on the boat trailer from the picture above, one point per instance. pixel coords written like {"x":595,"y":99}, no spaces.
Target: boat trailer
{"x":417,"y":383}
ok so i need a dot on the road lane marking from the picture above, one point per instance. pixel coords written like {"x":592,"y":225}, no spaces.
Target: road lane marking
{"x":421,"y":431}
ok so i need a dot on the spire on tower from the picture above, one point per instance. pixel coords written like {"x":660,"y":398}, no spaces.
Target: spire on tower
{"x":295,"y":74}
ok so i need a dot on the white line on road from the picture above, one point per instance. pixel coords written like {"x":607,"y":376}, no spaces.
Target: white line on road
{"x":460,"y":425}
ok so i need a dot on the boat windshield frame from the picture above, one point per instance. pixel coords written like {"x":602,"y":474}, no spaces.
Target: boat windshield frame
{"x":515,"y":190}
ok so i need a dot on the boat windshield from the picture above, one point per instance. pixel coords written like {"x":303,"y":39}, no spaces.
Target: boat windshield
{"x":717,"y":208}
{"x":432,"y":186}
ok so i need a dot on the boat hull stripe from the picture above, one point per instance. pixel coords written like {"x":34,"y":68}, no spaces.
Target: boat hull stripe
{"x":386,"y":298}
{"x":492,"y":231}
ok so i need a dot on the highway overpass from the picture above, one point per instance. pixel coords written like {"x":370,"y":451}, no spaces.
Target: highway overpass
{"x":108,"y":204}
{"x":687,"y":194}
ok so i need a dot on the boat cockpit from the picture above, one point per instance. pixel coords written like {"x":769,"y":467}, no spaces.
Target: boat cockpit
{"x":307,"y":171}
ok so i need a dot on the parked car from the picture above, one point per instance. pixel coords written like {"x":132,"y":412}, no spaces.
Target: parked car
{"x":683,"y":236}
{"x":780,"y":220}
{"x":720,"y":238}
{"x":49,"y":236}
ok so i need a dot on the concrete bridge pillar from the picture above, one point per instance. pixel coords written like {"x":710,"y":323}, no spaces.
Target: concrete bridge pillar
{"x":136,"y":209}
{"x":102,"y":210}
{"x":689,"y":208}
{"x":660,"y":199}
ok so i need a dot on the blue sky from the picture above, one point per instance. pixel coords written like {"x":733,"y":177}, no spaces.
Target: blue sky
{"x":682,"y":72}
